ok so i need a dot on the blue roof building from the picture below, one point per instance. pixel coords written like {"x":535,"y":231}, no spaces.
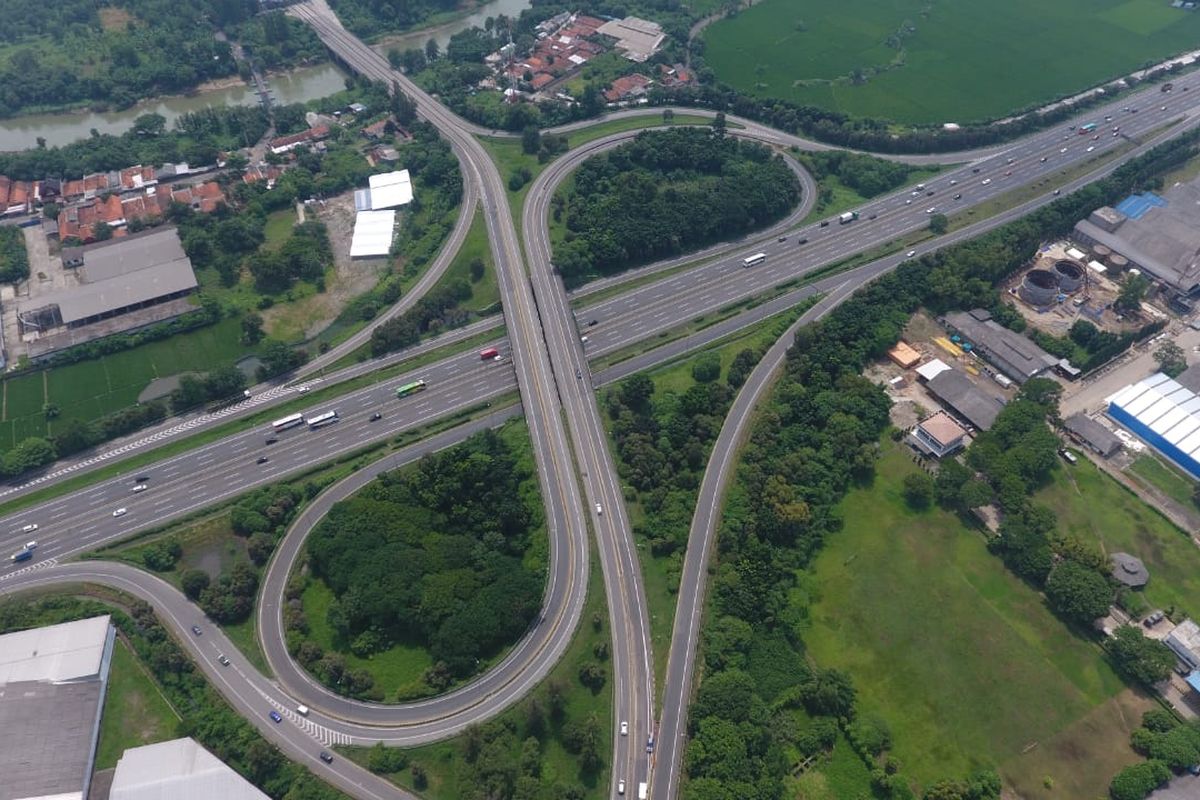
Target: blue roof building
{"x":1164,"y":414}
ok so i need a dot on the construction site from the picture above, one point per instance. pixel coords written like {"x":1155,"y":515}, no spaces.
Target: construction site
{"x":1064,"y":285}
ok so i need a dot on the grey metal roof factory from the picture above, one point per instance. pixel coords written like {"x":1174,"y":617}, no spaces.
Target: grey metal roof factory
{"x":52,"y":684}
{"x":119,"y":285}
{"x":1013,"y":354}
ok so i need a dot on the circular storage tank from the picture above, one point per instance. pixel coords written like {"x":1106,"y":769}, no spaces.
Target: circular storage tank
{"x":1070,"y":276}
{"x":1102,"y":251}
{"x":1118,"y":262}
{"x":1039,"y":288}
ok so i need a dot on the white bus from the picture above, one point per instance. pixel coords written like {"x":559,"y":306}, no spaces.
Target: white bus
{"x":757,"y":258}
{"x":288,"y":422}
{"x":321,"y":420}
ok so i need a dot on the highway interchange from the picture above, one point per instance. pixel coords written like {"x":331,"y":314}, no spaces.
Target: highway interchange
{"x":544,"y":357}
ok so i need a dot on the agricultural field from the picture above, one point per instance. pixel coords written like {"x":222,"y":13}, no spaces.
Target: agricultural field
{"x":91,"y":389}
{"x":963,"y":660}
{"x":917,"y":62}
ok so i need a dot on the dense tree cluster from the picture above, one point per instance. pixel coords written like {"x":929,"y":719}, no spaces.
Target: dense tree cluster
{"x":205,"y":715}
{"x":276,"y":41}
{"x":437,"y":310}
{"x":1141,"y":658}
{"x":1169,"y":744}
{"x":220,"y":384}
{"x":867,"y":175}
{"x":303,"y":257}
{"x":157,"y":47}
{"x":369,"y":18}
{"x":667,"y":192}
{"x":434,"y":555}
{"x":14,"y":260}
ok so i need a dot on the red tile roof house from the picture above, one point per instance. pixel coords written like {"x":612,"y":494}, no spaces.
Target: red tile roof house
{"x":627,"y":87}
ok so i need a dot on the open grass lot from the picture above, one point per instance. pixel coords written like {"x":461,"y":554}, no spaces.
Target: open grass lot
{"x":962,"y":659}
{"x":965,"y":61}
{"x":1150,"y":470}
{"x":91,"y":389}
{"x":443,"y":762}
{"x":135,"y":712}
{"x":485,"y":294}
{"x":1097,"y":508}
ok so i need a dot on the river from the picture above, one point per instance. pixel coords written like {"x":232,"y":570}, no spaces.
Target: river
{"x":297,"y":86}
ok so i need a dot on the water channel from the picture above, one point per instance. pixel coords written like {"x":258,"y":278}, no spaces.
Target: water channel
{"x":297,"y":86}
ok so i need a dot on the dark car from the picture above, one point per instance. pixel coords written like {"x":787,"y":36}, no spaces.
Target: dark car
{"x":825,"y":224}
{"x":275,"y":717}
{"x":273,"y":440}
{"x":224,"y":661}
{"x":929,"y":193}
{"x":578,"y":374}
{"x":975,"y":169}
{"x":196,"y":629}
{"x":592,"y":322}
{"x":326,"y":757}
{"x":783,"y":238}
{"x":873,"y":216}
{"x":958,"y":196}
{"x":376,"y":417}
{"x":141,"y":479}
{"x":262,"y":460}
{"x":650,"y":744}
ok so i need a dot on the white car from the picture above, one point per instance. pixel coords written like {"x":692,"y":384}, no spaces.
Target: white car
{"x":31,"y":545}
{"x":621,"y":787}
{"x":120,"y":512}
{"x":908,"y":202}
{"x":30,"y":528}
{"x":301,"y":389}
{"x":910,"y":254}
{"x":1091,"y":148}
{"x":1063,"y":150}
{"x":141,"y":487}
{"x":986,"y":181}
{"x":931,"y":209}
{"x":624,"y":728}
{"x":599,"y":510}
{"x":954,"y":183}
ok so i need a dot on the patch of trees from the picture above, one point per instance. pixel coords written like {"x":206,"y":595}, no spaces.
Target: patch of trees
{"x":1087,"y":346}
{"x":166,"y":46}
{"x":205,"y":714}
{"x":303,"y":257}
{"x":1169,"y":744}
{"x":434,"y":555}
{"x":14,"y":260}
{"x":276,"y":41}
{"x":665,"y":193}
{"x":867,"y":175}
{"x":369,"y":18}
{"x":219,"y":384}
{"x":437,"y":310}
{"x":1139,"y":657}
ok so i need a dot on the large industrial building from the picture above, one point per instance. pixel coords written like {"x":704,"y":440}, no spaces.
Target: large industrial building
{"x":52,"y":684}
{"x":1157,"y":235}
{"x":1165,"y":415}
{"x":1011,"y":353}
{"x":177,"y":770}
{"x":119,"y":285}
{"x":386,"y":190}
{"x":958,"y":394}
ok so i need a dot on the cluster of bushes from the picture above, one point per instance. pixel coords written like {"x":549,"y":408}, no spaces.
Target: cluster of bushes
{"x":867,"y":175}
{"x":14,"y":261}
{"x":303,"y":257}
{"x":435,"y":555}
{"x":278,"y":41}
{"x":205,"y":715}
{"x":1170,"y":746}
{"x":438,"y":310}
{"x":665,"y":193}
{"x":1087,"y":346}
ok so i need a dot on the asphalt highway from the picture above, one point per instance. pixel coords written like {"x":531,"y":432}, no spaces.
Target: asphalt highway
{"x":547,"y":352}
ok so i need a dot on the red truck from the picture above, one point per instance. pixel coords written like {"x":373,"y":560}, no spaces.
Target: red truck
{"x":489,"y":354}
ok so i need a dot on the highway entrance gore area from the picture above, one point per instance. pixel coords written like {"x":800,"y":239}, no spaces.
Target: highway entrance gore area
{"x":566,"y":409}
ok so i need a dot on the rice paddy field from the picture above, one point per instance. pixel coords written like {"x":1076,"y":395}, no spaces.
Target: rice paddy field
{"x":934,"y":61}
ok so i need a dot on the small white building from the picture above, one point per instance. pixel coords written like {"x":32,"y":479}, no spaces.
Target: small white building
{"x":1184,"y":641}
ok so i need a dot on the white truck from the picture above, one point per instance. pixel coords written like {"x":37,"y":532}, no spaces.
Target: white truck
{"x":643,"y":791}
{"x":849,"y":216}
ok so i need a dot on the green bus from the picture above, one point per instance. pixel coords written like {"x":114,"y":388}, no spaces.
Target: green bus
{"x":410,"y":388}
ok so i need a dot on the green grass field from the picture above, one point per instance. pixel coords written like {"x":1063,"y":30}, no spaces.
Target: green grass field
{"x":1097,"y":508}
{"x":485,"y":295}
{"x":1150,"y":470}
{"x":962,"y":659}
{"x":91,"y":389}
{"x":135,"y":712}
{"x":965,"y":61}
